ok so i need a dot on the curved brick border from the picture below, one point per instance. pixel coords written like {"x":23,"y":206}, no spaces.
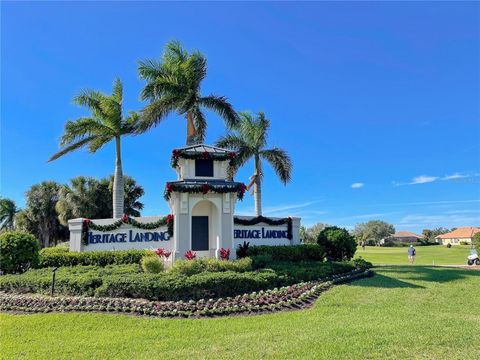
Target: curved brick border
{"x":291,"y":297}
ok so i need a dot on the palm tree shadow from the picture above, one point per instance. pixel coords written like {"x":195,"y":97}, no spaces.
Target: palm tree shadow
{"x":429,"y":273}
{"x":382,"y":281}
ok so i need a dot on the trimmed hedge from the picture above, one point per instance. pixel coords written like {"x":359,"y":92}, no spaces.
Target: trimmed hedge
{"x":191,"y":267}
{"x":60,"y":256}
{"x":128,"y":281}
{"x":289,"y":252}
{"x":292,"y":297}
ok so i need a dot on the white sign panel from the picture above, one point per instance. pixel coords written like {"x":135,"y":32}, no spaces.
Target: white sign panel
{"x":127,"y":237}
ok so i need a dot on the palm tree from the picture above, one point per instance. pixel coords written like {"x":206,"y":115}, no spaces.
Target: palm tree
{"x":8,"y":210}
{"x":106,"y":123}
{"x":173,"y":84}
{"x":249,"y":139}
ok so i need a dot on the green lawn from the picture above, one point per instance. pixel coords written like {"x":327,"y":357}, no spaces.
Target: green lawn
{"x":401,"y":313}
{"x":426,"y":255}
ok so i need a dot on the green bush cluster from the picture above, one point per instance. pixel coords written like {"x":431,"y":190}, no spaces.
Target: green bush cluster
{"x":18,"y":252}
{"x":289,"y":252}
{"x":338,"y":243}
{"x":60,"y":256}
{"x":152,"y":264}
{"x":192,"y":267}
{"x":78,"y":280}
{"x":361,"y":263}
{"x":130,"y":282}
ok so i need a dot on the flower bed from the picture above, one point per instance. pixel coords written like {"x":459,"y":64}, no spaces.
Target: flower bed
{"x":290,"y":297}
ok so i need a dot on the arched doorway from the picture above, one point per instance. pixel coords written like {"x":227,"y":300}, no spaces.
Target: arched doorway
{"x":204,"y":228}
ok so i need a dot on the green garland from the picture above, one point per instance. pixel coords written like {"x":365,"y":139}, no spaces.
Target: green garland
{"x":185,"y":154}
{"x":90,"y":225}
{"x":205,"y":188}
{"x":268,"y":221}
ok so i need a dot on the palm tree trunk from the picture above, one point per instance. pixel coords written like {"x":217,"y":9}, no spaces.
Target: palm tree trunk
{"x":191,"y":130}
{"x":118,"y":188}
{"x":257,"y":188}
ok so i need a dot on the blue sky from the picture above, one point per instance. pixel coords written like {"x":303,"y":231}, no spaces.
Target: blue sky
{"x":381,"y":95}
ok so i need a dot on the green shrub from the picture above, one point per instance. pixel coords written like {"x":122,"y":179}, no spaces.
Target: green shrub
{"x":361,"y":263}
{"x":18,"y":251}
{"x":197,"y":266}
{"x":476,"y":241}
{"x":171,"y":286}
{"x":292,"y":273}
{"x":152,"y":264}
{"x":337,"y":243}
{"x":289,"y":252}
{"x":79,"y":280}
{"x":57,"y":257}
{"x":261,"y":261}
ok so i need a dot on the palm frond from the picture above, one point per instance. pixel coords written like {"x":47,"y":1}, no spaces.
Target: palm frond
{"x":174,"y":52}
{"x":222,"y":107}
{"x":155,"y":112}
{"x":231,"y":141}
{"x":117,"y":91}
{"x":98,"y":143}
{"x":84,"y":126}
{"x":92,"y":100}
{"x":72,"y":147}
{"x":280,"y":161}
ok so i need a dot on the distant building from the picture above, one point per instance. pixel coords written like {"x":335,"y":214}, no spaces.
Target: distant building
{"x":458,"y":236}
{"x":402,"y":236}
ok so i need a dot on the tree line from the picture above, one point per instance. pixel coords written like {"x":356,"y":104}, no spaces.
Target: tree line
{"x":371,"y":232}
{"x":49,"y":206}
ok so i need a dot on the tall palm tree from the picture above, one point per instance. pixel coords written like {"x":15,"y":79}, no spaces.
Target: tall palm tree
{"x":249,"y":139}
{"x":173,"y":84}
{"x":105,"y":123}
{"x":8,"y":210}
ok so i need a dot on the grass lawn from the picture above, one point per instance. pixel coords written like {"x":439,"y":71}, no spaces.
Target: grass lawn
{"x":401,"y":313}
{"x":426,"y":255}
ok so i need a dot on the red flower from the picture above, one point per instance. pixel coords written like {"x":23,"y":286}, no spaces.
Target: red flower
{"x":169,"y":187}
{"x":160,"y":251}
{"x":86,"y":221}
{"x":176,"y":153}
{"x":206,"y":155}
{"x":167,"y":254}
{"x":225,"y":254}
{"x":205,"y":188}
{"x":169,"y":218}
{"x":190,"y":255}
{"x":125,"y":218}
{"x":232,"y":155}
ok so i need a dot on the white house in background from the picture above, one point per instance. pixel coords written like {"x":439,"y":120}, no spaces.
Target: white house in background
{"x":458,"y":236}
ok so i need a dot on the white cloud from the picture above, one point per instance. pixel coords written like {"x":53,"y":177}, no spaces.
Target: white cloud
{"x":455,"y":176}
{"x":286,"y":207}
{"x":423,"y":179}
{"x":357,"y":185}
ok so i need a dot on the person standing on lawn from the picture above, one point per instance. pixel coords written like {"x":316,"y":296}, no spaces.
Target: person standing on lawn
{"x":411,"y":254}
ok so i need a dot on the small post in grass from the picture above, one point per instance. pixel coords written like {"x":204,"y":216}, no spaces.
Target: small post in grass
{"x":53,"y":279}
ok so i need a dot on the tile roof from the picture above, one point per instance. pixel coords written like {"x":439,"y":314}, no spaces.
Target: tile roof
{"x":463,"y":232}
{"x":406,"y":234}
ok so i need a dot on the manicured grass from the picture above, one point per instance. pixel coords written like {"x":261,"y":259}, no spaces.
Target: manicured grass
{"x":401,"y":313}
{"x":426,"y":255}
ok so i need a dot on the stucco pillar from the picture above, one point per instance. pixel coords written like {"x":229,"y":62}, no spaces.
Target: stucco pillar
{"x":75,"y":226}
